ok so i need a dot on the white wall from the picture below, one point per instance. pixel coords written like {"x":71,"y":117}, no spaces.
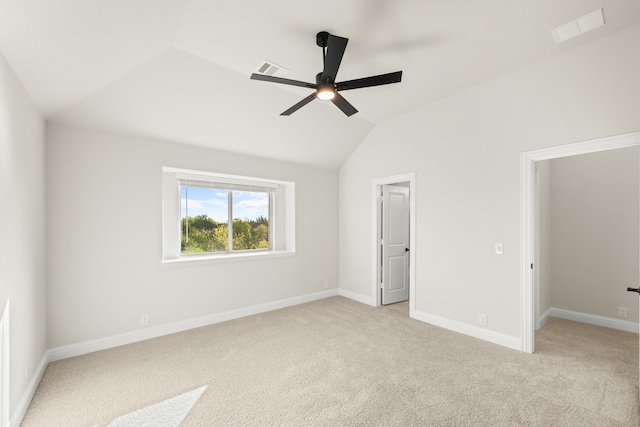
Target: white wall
{"x":465,"y":150}
{"x":104,"y":247}
{"x":22,"y":228}
{"x":594,"y":232}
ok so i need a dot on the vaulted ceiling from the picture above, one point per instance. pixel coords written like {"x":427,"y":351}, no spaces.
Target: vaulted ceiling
{"x":179,"y":69}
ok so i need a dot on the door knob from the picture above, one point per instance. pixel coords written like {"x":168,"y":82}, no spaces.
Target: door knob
{"x":406,"y":249}
{"x":633,"y":290}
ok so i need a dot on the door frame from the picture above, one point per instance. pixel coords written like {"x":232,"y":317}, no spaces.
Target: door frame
{"x":536,"y":236}
{"x":376,"y":186}
{"x":527,"y":218}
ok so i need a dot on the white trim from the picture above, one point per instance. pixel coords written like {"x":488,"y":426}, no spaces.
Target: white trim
{"x":357,"y":297}
{"x":91,"y":346}
{"x":536,"y":236}
{"x":375,"y":184}
{"x":585,"y":147}
{"x":527,"y":246}
{"x":198,"y":175}
{"x":30,"y":391}
{"x":226,"y":257}
{"x":527,"y":295}
{"x":219,"y":183}
{"x":498,"y":338}
{"x":544,"y":318}
{"x":593,"y":319}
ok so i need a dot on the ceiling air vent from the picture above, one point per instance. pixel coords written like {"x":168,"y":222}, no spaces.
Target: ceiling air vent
{"x":271,"y":69}
{"x":579,"y":26}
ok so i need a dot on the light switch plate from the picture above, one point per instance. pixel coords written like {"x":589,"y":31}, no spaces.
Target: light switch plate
{"x":499,"y":248}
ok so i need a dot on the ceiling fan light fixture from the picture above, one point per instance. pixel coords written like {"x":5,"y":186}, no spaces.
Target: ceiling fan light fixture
{"x":326,"y":93}
{"x":325,"y":87}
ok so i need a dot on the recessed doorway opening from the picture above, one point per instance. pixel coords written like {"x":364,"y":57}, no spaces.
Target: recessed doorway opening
{"x":528,"y":217}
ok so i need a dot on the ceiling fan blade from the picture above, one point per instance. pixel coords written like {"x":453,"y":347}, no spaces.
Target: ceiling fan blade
{"x":299,"y":105}
{"x":256,"y":76}
{"x":382,"y":79}
{"x":335,"y":50}
{"x":344,"y":105}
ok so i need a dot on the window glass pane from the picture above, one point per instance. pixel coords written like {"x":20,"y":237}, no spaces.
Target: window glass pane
{"x":250,"y":220}
{"x":204,"y":220}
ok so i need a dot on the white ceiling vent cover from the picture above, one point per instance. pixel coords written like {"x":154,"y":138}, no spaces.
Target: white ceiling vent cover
{"x":271,"y":69}
{"x":579,"y":26}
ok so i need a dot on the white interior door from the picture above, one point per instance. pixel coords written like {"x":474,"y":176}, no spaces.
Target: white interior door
{"x":395,"y":244}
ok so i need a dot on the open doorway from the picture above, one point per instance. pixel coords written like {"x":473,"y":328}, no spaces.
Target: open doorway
{"x":530,"y":301}
{"x":400,"y":189}
{"x":587,"y":230}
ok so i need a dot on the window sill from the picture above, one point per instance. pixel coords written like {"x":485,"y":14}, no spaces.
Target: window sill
{"x":219,"y":258}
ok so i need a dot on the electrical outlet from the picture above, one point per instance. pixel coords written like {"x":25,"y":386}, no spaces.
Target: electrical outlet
{"x":482,"y":318}
{"x":326,"y":284}
{"x":144,"y":319}
{"x":622,"y":311}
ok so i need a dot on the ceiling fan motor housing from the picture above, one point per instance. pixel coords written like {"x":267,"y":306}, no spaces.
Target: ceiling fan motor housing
{"x":327,"y":82}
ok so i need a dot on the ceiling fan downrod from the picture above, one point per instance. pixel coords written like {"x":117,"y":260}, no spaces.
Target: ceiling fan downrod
{"x":322,"y":39}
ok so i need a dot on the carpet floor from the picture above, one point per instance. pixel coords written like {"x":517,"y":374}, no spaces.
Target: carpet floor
{"x":336,"y":362}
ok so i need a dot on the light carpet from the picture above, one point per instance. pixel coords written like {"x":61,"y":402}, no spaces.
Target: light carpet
{"x":336,"y":362}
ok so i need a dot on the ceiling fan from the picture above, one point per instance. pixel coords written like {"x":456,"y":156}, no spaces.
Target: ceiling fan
{"x":326,"y":88}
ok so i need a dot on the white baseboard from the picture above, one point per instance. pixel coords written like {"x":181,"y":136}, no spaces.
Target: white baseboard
{"x":25,"y":400}
{"x":357,"y":297}
{"x":593,"y":319}
{"x":544,"y":318}
{"x":91,"y":346}
{"x":508,"y":341}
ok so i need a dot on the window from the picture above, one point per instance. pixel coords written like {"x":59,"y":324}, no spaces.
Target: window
{"x":210,"y":216}
{"x":218,"y":219}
